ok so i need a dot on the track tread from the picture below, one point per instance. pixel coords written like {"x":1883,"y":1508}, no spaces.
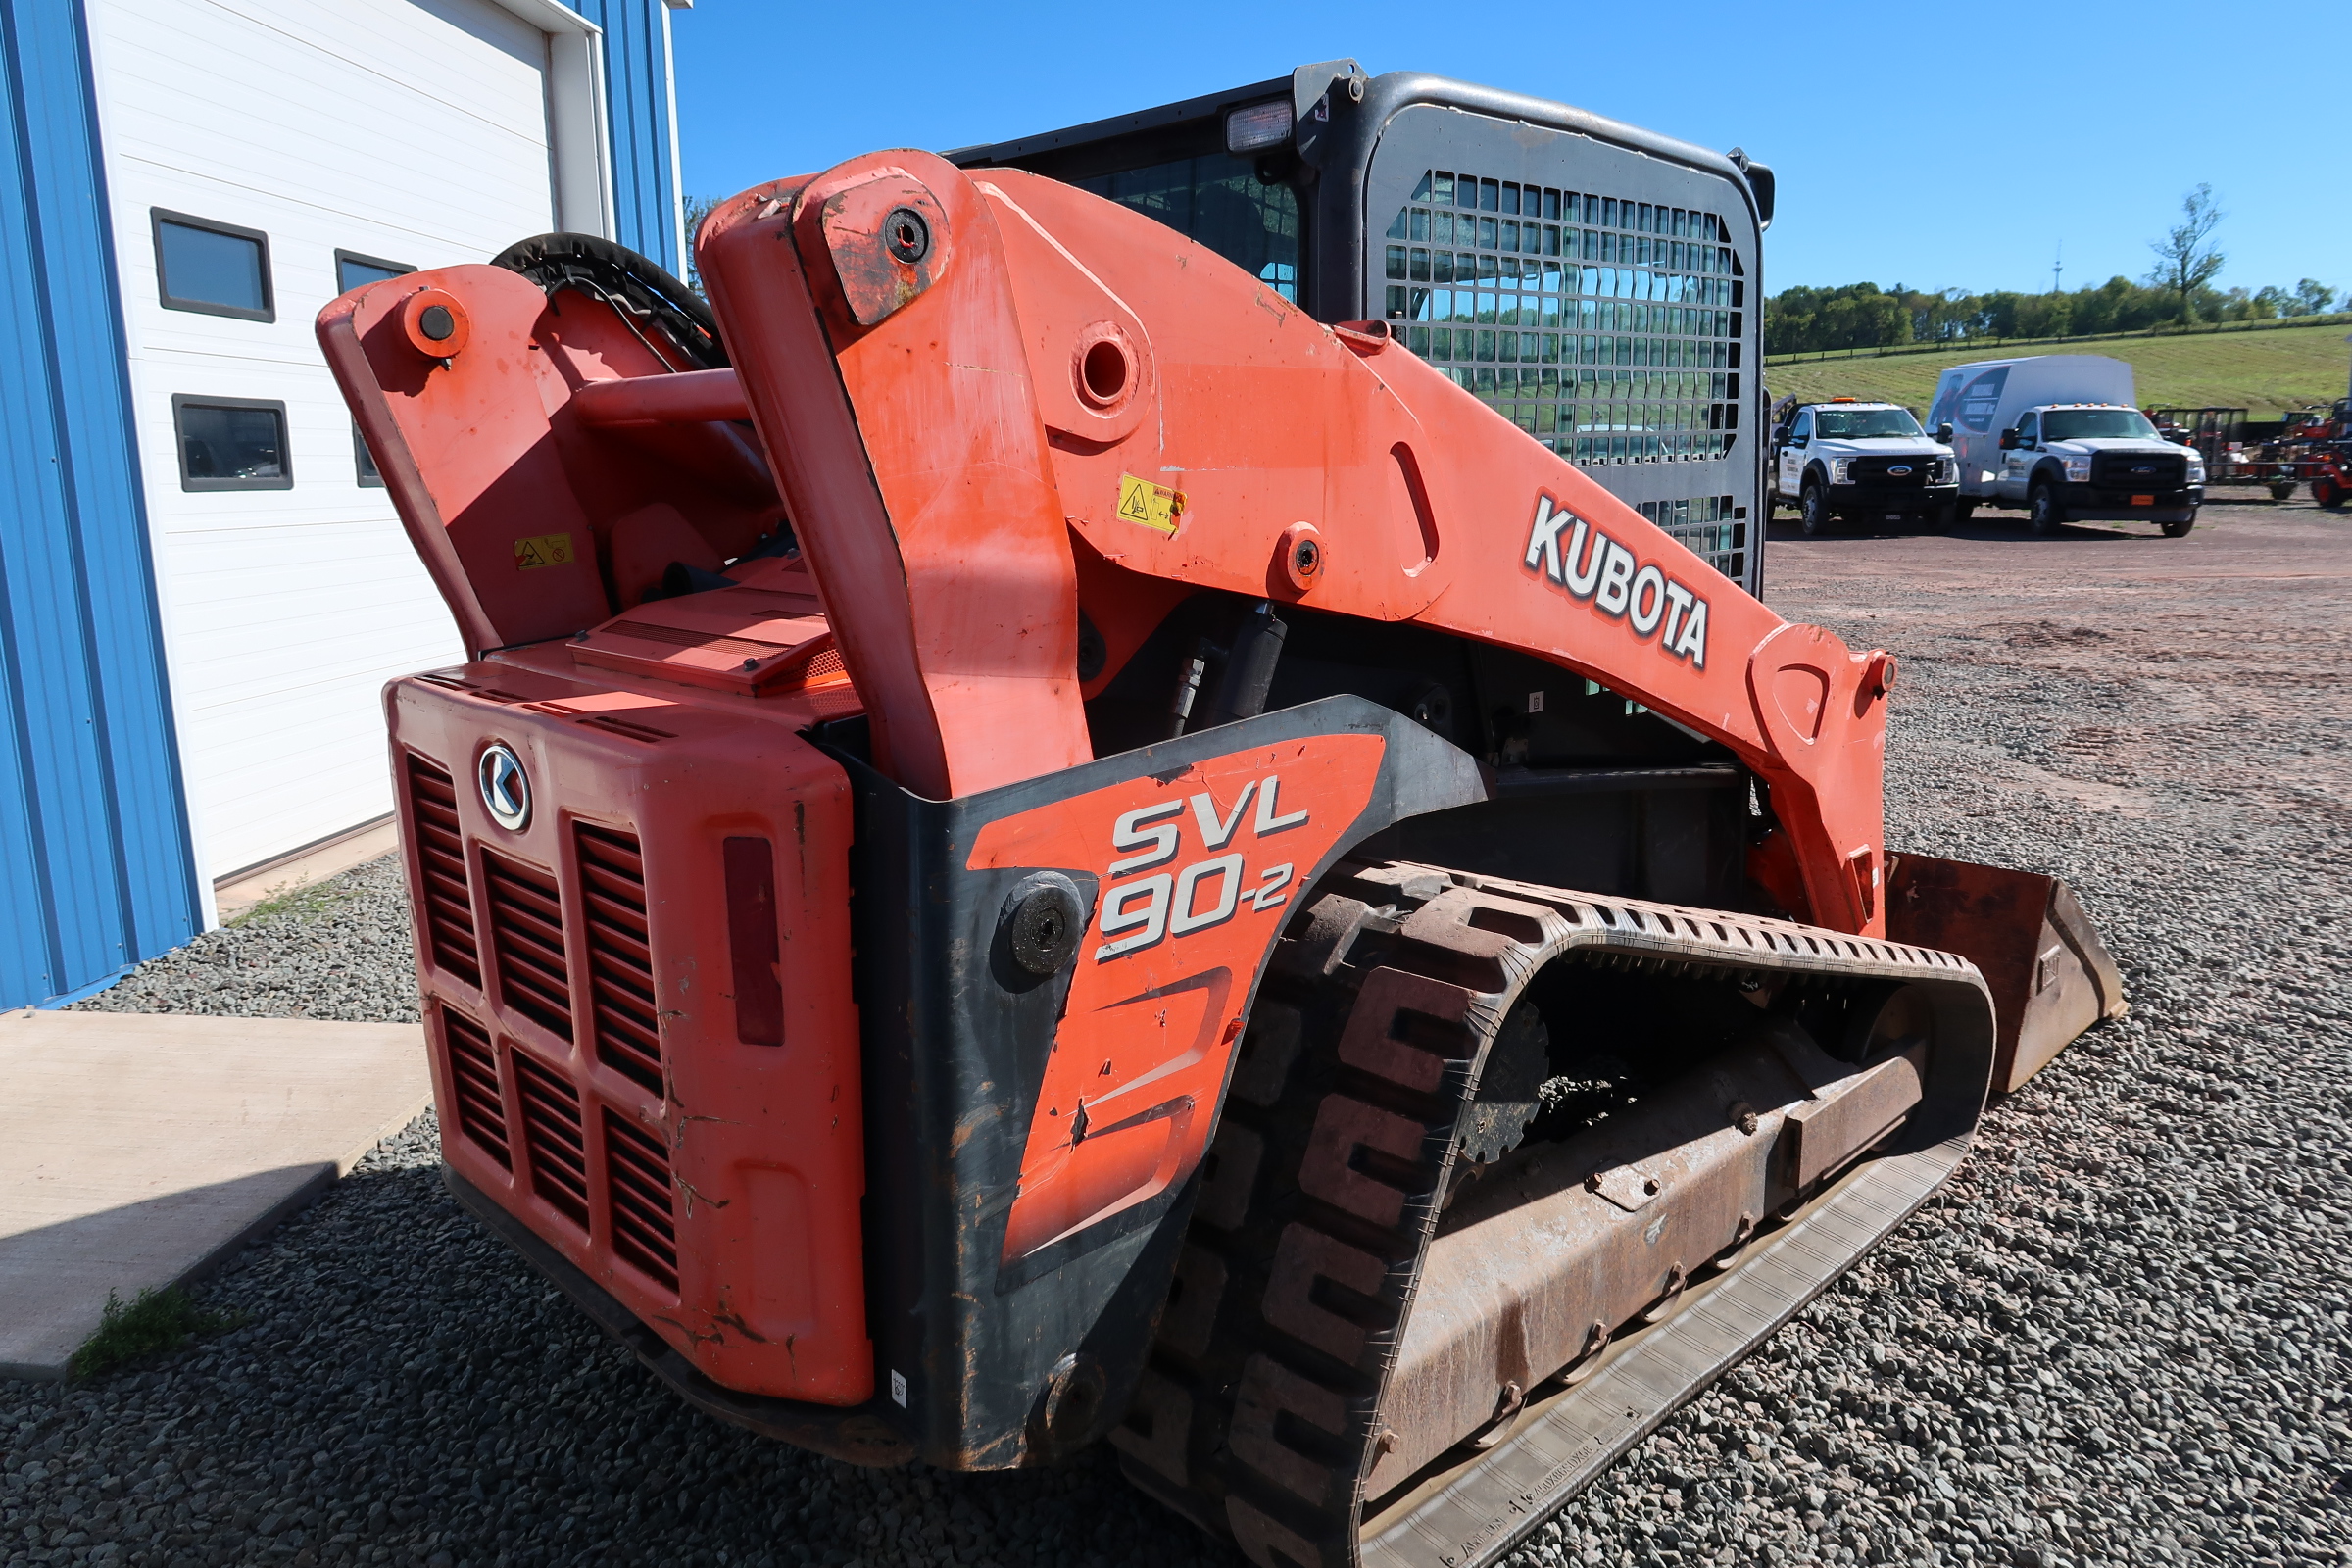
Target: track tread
{"x":1258,"y":1417}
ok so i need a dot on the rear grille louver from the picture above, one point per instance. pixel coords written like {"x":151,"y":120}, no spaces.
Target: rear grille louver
{"x":473,"y":1086}
{"x":448,"y":913}
{"x":645,"y":1235}
{"x":620,"y":967}
{"x":526,"y":934}
{"x":554,"y":1136}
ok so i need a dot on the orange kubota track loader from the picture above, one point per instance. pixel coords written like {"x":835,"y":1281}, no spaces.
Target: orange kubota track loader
{"x":988,"y":883}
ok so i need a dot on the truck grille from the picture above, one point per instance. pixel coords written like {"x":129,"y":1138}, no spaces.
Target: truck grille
{"x":441,"y":867}
{"x":553,"y":1137}
{"x":620,"y":968}
{"x":645,"y":1233}
{"x":526,"y":934}
{"x":1874,"y":472}
{"x":473,"y":1086}
{"x":2140,"y":471}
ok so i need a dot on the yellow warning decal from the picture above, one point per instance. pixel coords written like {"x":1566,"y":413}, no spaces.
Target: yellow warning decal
{"x":546,"y":550}
{"x":1154,"y":505}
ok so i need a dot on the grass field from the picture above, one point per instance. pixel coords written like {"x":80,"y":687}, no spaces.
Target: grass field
{"x":2264,"y":373}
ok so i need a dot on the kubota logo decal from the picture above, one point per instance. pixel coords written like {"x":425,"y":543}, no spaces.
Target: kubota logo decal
{"x":1596,"y":569}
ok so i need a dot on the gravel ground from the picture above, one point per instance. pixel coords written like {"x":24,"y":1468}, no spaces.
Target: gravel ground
{"x":2118,"y":1337}
{"x":337,"y":948}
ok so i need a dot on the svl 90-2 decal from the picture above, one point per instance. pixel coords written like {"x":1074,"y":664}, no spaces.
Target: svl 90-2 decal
{"x":1595,"y":567}
{"x":1195,"y":874}
{"x":1204,"y":894}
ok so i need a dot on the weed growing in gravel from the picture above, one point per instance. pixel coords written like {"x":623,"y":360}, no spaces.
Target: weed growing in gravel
{"x":155,"y":1320}
{"x":302,"y":901}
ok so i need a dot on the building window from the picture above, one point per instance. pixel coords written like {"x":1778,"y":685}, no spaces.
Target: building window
{"x":231,"y":444}
{"x":354,"y":271}
{"x":370,"y":476}
{"x":216,"y":268}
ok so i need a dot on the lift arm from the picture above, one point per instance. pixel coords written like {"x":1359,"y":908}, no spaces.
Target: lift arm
{"x":1016,"y":363}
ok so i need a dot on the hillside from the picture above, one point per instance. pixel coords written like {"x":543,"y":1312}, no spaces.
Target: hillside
{"x":2264,"y":373}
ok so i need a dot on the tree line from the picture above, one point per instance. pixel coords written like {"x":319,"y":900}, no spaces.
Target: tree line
{"x":1863,"y":316}
{"x":2178,"y":290}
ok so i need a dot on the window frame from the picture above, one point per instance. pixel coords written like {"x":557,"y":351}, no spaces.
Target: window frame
{"x":179,"y":443}
{"x":362,"y":460}
{"x":157,"y":217}
{"x":397,"y":268}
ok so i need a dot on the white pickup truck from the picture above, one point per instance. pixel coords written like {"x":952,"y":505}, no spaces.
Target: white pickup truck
{"x":1861,"y":461}
{"x":2097,"y":462}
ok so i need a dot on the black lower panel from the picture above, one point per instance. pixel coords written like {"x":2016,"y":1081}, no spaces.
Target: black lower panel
{"x":1680,"y":838}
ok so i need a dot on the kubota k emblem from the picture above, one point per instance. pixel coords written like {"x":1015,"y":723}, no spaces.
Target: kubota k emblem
{"x":506,"y":787}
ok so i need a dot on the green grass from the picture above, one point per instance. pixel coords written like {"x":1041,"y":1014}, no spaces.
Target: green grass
{"x":302,"y":901}
{"x":153,"y":1322}
{"x":2264,"y":373}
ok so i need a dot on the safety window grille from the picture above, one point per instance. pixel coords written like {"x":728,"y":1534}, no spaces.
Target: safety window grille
{"x":1606,"y":328}
{"x":1712,"y":527}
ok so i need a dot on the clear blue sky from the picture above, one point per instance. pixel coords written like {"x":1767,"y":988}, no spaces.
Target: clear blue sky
{"x":1934,"y":146}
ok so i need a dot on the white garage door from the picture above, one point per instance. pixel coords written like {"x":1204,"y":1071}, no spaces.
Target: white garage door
{"x":413,"y":132}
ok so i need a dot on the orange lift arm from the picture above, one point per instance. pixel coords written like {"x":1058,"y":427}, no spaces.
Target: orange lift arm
{"x":1042,"y":403}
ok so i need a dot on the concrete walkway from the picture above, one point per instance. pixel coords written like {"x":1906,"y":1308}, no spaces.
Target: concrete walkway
{"x":140,"y":1150}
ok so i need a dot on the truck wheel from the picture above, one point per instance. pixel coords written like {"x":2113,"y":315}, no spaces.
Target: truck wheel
{"x":2280,"y":489}
{"x":2043,"y":512}
{"x":2328,"y":491}
{"x":1812,"y":510}
{"x":2180,"y":530}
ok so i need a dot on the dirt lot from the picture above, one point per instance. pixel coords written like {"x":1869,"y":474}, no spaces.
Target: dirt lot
{"x":2118,"y":1337}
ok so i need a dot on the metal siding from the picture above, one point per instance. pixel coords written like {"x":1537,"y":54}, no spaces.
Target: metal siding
{"x":637,"y":101}
{"x":327,"y":125}
{"x":94,"y":842}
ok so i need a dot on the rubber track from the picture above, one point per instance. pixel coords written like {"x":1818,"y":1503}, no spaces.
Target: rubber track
{"x":1258,"y":1409}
